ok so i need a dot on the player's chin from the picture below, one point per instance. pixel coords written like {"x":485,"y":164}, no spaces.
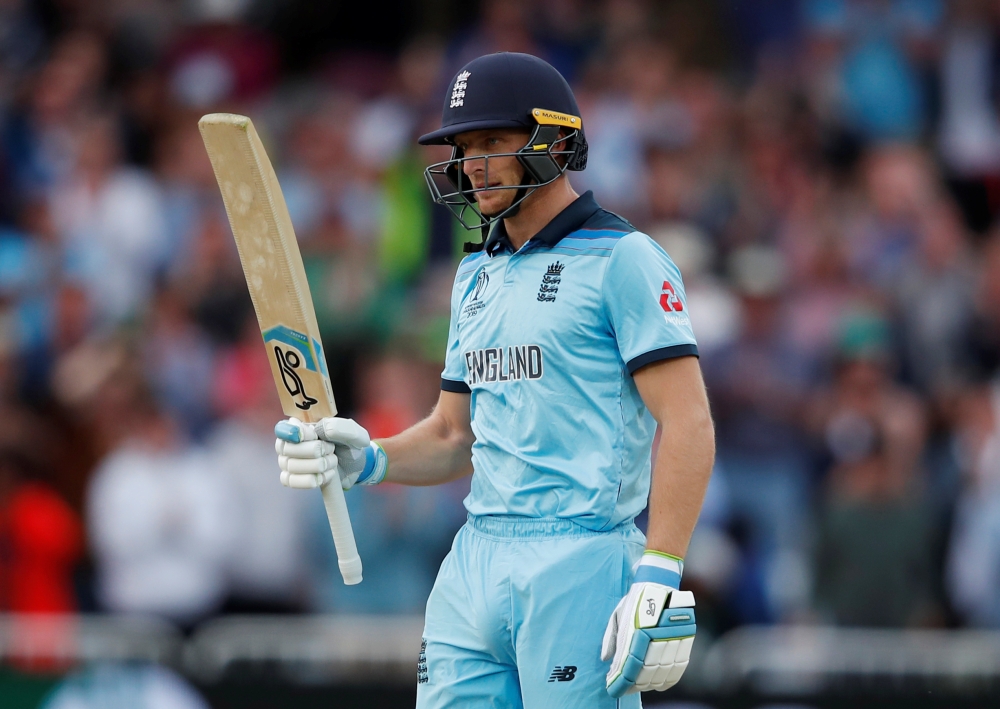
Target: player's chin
{"x":495,"y":202}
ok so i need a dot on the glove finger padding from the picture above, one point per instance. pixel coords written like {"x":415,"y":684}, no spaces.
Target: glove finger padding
{"x":307,"y":465}
{"x":308,"y":449}
{"x":302,"y":481}
{"x":656,"y":628}
{"x":308,"y":471}
{"x":663,"y":665}
{"x":306,"y":481}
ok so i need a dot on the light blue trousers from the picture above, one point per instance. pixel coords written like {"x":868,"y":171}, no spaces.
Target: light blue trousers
{"x":517,"y":614}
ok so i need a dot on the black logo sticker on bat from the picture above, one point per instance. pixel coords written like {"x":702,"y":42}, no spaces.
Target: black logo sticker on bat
{"x":288,"y":362}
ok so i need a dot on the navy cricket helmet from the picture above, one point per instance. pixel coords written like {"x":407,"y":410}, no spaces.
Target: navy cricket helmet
{"x":506,"y":90}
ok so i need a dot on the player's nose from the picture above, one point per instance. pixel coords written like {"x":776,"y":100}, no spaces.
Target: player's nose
{"x":472,"y":165}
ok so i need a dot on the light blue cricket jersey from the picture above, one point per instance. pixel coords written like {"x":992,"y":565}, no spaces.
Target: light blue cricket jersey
{"x":546,"y":340}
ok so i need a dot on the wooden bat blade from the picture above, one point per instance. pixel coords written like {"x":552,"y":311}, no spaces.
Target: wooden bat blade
{"x":272,"y":264}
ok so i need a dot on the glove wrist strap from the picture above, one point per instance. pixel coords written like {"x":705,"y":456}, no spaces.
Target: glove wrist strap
{"x":661,"y":568}
{"x":376,"y":465}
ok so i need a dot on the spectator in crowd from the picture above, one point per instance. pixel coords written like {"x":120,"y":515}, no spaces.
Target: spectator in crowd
{"x":875,"y":55}
{"x":973,"y":565}
{"x":188,"y":188}
{"x":41,"y":138}
{"x":874,"y":538}
{"x":111,"y":224}
{"x":180,"y":362}
{"x":503,"y":26}
{"x":41,"y":539}
{"x":637,"y":105}
{"x":981,"y":344}
{"x":160,"y":515}
{"x":758,"y":394}
{"x":968,"y":131}
{"x":934,"y":298}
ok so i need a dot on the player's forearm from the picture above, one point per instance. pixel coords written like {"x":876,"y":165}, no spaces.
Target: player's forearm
{"x":680,"y":477}
{"x":432,"y":452}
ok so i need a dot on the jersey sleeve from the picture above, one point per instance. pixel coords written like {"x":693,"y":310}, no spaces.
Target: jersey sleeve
{"x":453,"y":376}
{"x":645,"y":303}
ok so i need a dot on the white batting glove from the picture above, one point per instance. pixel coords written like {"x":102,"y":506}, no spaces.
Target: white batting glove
{"x":650,"y":634}
{"x":311,"y":454}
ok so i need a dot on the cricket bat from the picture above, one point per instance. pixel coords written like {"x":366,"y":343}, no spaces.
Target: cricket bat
{"x":280,"y":293}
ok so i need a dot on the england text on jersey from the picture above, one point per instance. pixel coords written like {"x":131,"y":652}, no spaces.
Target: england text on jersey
{"x":504,"y":364}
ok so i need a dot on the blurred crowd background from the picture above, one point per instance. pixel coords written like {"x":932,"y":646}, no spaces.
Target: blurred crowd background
{"x":825,"y":172}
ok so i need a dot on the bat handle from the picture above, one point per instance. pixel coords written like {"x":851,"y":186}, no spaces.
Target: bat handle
{"x":343,"y":534}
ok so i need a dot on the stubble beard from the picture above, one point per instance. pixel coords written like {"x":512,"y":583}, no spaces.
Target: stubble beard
{"x":498,"y":207}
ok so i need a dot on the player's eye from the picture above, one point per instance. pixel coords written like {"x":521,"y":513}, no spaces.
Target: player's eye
{"x":493,"y":141}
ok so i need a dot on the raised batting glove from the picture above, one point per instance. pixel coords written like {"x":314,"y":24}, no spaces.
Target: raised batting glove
{"x":311,"y":454}
{"x":650,"y":634}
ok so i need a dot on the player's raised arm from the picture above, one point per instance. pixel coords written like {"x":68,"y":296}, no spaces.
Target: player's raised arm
{"x":434,"y":451}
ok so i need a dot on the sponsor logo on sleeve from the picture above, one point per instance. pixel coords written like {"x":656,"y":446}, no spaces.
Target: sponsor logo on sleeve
{"x":504,"y":364}
{"x":672,"y":305}
{"x":669,"y":300}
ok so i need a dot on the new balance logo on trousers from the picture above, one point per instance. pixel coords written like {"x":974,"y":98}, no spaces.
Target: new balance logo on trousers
{"x":562,"y":674}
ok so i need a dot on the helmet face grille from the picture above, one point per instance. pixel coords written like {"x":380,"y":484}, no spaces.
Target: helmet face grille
{"x":451,"y":187}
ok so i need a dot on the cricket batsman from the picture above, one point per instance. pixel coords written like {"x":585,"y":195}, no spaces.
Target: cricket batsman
{"x":570,"y":340}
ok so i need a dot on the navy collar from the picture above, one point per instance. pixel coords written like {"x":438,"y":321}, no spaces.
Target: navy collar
{"x":566,"y":222}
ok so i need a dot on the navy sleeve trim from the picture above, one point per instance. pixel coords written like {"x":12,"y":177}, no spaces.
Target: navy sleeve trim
{"x":663,"y":353}
{"x":455,"y":387}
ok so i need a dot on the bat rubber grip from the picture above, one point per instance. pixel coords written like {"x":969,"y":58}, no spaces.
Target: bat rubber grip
{"x":343,"y":534}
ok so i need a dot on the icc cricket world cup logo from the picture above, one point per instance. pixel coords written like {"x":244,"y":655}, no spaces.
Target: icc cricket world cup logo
{"x":482,"y":280}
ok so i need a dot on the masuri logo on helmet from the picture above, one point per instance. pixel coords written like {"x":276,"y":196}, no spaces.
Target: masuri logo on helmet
{"x":511,"y":91}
